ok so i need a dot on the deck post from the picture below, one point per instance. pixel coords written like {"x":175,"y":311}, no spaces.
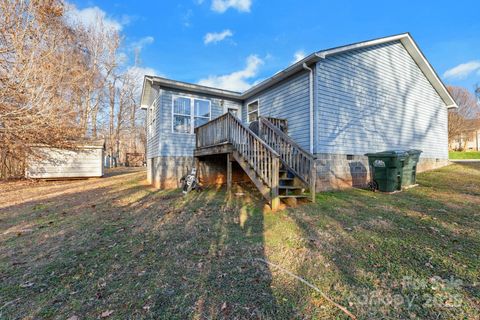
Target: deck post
{"x":275,"y":202}
{"x":196,"y":165}
{"x":313,"y":179}
{"x":229,"y":172}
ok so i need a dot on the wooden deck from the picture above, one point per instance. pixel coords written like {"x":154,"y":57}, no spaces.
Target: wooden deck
{"x":261,"y":156}
{"x":221,"y":148}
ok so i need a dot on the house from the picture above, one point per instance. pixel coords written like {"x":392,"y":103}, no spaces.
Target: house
{"x":338,"y":104}
{"x":469,"y":139}
{"x":83,"y":160}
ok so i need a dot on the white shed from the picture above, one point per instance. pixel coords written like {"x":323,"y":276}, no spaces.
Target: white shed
{"x":85,"y":160}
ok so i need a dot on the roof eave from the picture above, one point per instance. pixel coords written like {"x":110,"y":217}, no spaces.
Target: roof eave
{"x":405,"y":38}
{"x":145,"y":92}
{"x":279,"y":76}
{"x":195,"y":88}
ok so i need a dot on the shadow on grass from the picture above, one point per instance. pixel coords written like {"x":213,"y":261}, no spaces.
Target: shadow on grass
{"x":138,"y":252}
{"x":373,"y":242}
{"x":143,"y":253}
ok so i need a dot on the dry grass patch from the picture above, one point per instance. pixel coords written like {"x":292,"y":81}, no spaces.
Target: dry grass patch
{"x":119,"y":248}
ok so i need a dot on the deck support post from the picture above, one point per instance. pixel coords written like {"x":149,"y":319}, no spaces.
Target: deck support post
{"x":313,"y":180}
{"x":229,"y":172}
{"x":275,"y":202}
{"x":196,"y":165}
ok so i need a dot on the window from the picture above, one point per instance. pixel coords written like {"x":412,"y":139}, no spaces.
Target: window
{"x":182,"y":115}
{"x":252,"y":109}
{"x":152,"y":117}
{"x":233,"y":111}
{"x":201,"y":112}
{"x":189,"y":113}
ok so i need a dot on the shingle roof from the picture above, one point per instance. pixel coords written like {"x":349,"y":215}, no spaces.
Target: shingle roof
{"x":404,"y":38}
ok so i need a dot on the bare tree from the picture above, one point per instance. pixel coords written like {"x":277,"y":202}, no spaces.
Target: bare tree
{"x":41,"y":71}
{"x":111,"y":65}
{"x":60,"y":80}
{"x":477,"y":93}
{"x":460,"y":120}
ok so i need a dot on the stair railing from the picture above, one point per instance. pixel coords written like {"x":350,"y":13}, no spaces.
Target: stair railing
{"x":263,"y":159}
{"x":294,"y":157}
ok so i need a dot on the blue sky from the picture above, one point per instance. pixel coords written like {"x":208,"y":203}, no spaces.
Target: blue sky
{"x":235,"y":43}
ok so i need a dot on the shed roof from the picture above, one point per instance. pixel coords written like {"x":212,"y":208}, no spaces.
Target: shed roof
{"x":78,"y":143}
{"x":405,"y":38}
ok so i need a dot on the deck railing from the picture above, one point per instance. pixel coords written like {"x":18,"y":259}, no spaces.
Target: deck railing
{"x":281,"y":124}
{"x":298,"y":160}
{"x":212,"y":133}
{"x":258,"y":154}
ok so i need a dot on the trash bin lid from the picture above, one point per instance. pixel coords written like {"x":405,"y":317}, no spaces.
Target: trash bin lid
{"x":414,"y":151}
{"x":388,"y":153}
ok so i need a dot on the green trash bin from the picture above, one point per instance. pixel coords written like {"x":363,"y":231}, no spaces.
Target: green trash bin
{"x":386,"y":169}
{"x":409,"y":176}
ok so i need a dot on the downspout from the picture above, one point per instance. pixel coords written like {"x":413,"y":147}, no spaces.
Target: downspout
{"x":311,"y":105}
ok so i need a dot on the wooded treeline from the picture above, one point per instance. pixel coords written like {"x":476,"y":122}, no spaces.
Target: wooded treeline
{"x":61,"y":81}
{"x":464,"y":121}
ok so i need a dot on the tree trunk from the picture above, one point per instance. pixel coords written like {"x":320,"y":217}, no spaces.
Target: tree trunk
{"x":112,"y":117}
{"x":119,"y":123}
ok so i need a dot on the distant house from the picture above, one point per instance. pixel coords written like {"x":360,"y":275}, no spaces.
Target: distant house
{"x":338,"y":104}
{"x":83,"y":160}
{"x":469,"y":139}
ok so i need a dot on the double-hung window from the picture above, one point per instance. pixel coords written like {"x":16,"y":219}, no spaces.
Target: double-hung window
{"x":189,"y":113}
{"x":182,"y":115}
{"x":201,"y":112}
{"x":252,"y":109}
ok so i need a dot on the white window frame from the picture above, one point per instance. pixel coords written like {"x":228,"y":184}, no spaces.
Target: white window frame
{"x":250,"y":112}
{"x":192,"y":112}
{"x":152,"y":118}
{"x":237,"y":109}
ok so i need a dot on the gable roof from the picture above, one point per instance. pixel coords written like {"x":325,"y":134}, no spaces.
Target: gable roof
{"x":405,"y":38}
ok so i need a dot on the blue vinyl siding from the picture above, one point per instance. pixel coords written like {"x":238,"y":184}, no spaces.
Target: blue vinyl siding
{"x":288,"y":100}
{"x":152,"y":140}
{"x":169,"y":143}
{"x":375,"y":99}
{"x":366,"y":100}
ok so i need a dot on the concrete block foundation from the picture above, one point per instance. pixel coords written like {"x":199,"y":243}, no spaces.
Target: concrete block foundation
{"x":334,"y":171}
{"x":338,"y":171}
{"x":166,"y":172}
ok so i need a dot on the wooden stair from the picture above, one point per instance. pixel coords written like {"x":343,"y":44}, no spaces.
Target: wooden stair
{"x":279,"y":168}
{"x":297,"y":172}
{"x":290,"y":189}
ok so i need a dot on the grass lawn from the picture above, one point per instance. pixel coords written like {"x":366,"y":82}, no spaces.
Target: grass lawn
{"x":458,"y":155}
{"x":115,"y":248}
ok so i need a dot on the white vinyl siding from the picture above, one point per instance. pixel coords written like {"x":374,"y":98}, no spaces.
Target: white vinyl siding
{"x":152,"y":118}
{"x":166,"y":142}
{"x":376,"y":99}
{"x":289,"y":100}
{"x":62,"y":163}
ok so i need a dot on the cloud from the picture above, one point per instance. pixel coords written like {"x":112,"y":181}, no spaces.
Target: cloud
{"x":140,"y":44}
{"x":221,"y":6}
{"x":298,"y":55}
{"x":137,"y":74}
{"x":140,"y":72}
{"x":187,"y":18}
{"x":238,"y":80}
{"x":462,"y":70}
{"x":214,"y":37}
{"x":91,"y":16}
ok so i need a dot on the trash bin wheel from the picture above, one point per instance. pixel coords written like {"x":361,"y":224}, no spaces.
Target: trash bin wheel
{"x":373,"y":185}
